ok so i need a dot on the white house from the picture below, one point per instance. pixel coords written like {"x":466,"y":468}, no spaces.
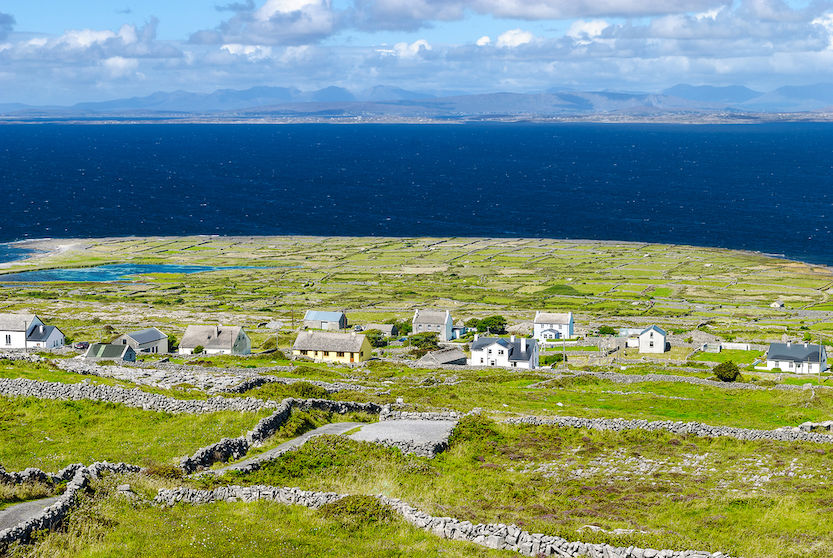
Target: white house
{"x":45,"y":337}
{"x":27,"y":331}
{"x":551,"y":325}
{"x":796,"y":358}
{"x":433,"y":321}
{"x":149,"y":340}
{"x":652,"y":340}
{"x":215,"y":340}
{"x":499,"y":351}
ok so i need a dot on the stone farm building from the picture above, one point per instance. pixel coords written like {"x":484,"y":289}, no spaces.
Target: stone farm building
{"x":433,"y":321}
{"x":320,"y":319}
{"x":389,"y":330}
{"x":27,"y":331}
{"x":451,"y":355}
{"x":500,"y":351}
{"x":796,"y":358}
{"x":552,"y":325}
{"x":110,"y":351}
{"x":332,"y":346}
{"x":149,"y":340}
{"x":215,"y":340}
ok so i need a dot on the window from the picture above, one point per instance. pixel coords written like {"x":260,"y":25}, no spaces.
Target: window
{"x":500,"y":351}
{"x":651,"y":344}
{"x":489,"y":351}
{"x":8,"y":339}
{"x":326,"y":353}
{"x":340,"y":353}
{"x":304,"y":352}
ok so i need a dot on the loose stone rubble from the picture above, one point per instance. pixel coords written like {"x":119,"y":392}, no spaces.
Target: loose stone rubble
{"x":491,"y":535}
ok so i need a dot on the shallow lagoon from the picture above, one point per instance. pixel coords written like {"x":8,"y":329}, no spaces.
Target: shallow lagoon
{"x":114,"y":272}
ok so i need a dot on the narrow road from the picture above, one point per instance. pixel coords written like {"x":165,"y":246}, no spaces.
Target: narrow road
{"x":333,"y":428}
{"x":13,"y":515}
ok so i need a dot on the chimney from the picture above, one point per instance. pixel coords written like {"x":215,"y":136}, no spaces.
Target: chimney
{"x":476,"y":337}
{"x":353,"y":333}
{"x":788,"y":344}
{"x":512,"y":339}
{"x":41,"y":328}
{"x":523,"y":344}
{"x":805,"y":345}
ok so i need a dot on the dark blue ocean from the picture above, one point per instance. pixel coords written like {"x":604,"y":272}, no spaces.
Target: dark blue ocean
{"x":756,"y":187}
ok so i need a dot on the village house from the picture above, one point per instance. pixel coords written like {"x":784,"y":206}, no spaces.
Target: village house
{"x":149,"y":340}
{"x":110,"y":351}
{"x":500,"y":351}
{"x":332,"y":347}
{"x":389,"y":330}
{"x":551,"y":325}
{"x":27,"y":331}
{"x":796,"y":358}
{"x":215,"y":340}
{"x":451,"y":355}
{"x":652,"y":340}
{"x":320,"y":319}
{"x":433,"y":321}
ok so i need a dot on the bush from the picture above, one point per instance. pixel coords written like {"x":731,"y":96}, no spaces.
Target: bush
{"x":425,"y":341}
{"x":306,"y":390}
{"x":269,"y":344}
{"x":164,"y":471}
{"x":607,"y":330}
{"x":727,"y":371}
{"x":551,"y":359}
{"x":475,"y":428}
{"x":376,"y":338}
{"x":357,"y":511}
{"x":198,"y":349}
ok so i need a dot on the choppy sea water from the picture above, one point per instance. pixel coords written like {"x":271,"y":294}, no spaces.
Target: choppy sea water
{"x":757,"y":187}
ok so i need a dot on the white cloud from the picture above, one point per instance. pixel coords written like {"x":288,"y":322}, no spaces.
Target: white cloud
{"x":483,"y":41}
{"x":85,"y":38}
{"x":514,"y":38}
{"x":582,"y":29}
{"x":118,"y":67}
{"x":405,"y":50}
{"x":252,"y":52}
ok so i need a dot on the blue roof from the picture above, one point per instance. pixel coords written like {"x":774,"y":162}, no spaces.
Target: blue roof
{"x":320,"y":315}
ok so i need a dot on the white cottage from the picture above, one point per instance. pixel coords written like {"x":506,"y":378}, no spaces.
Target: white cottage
{"x":499,"y":351}
{"x":215,"y":340}
{"x":551,"y":325}
{"x":652,"y":340}
{"x":149,"y":340}
{"x":433,"y":321}
{"x":796,"y":358}
{"x":27,"y":331}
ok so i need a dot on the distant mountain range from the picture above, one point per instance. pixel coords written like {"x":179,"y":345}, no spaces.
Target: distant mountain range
{"x":393,"y":101}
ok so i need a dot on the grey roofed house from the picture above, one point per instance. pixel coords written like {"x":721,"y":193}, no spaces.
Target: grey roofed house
{"x":149,"y":340}
{"x":328,"y":341}
{"x":514,"y":346}
{"x":215,"y":339}
{"x":41,"y":334}
{"x":389,"y":330}
{"x":552,"y":318}
{"x":321,"y":319}
{"x":110,"y":351}
{"x":451,"y":355}
{"x":795,"y":352}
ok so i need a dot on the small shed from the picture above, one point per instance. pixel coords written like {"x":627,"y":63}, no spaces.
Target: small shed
{"x":321,"y":319}
{"x":149,"y":340}
{"x":451,"y":355}
{"x":110,"y":351}
{"x":390,"y":330}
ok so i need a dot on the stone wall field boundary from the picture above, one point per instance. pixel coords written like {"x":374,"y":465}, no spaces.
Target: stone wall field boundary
{"x":21,"y":387}
{"x":680,"y":428}
{"x":491,"y":535}
{"x":642,"y":378}
{"x":52,"y":516}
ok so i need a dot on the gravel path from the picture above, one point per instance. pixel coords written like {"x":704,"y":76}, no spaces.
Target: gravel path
{"x":14,"y":515}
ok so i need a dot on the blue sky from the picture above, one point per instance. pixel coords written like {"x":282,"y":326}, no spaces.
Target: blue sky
{"x":55,"y":52}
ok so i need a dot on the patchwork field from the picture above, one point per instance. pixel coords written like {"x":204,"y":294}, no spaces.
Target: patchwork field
{"x":631,"y":489}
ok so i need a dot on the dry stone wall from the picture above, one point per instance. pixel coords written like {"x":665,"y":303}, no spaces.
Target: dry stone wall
{"x":21,"y":387}
{"x":789,"y":434}
{"x":52,"y":516}
{"x":491,"y":535}
{"x":388,"y":414}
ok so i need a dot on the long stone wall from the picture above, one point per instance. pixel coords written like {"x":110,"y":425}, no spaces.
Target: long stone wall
{"x":491,"y":535}
{"x":789,"y":434}
{"x":21,"y":387}
{"x":642,"y":378}
{"x":52,"y":516}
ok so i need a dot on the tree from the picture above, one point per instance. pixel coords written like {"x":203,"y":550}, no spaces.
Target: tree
{"x":376,"y":338}
{"x":426,"y":341}
{"x":727,"y":371}
{"x":495,"y":324}
{"x":172,"y":346}
{"x":403,"y":326}
{"x":607,"y":330}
